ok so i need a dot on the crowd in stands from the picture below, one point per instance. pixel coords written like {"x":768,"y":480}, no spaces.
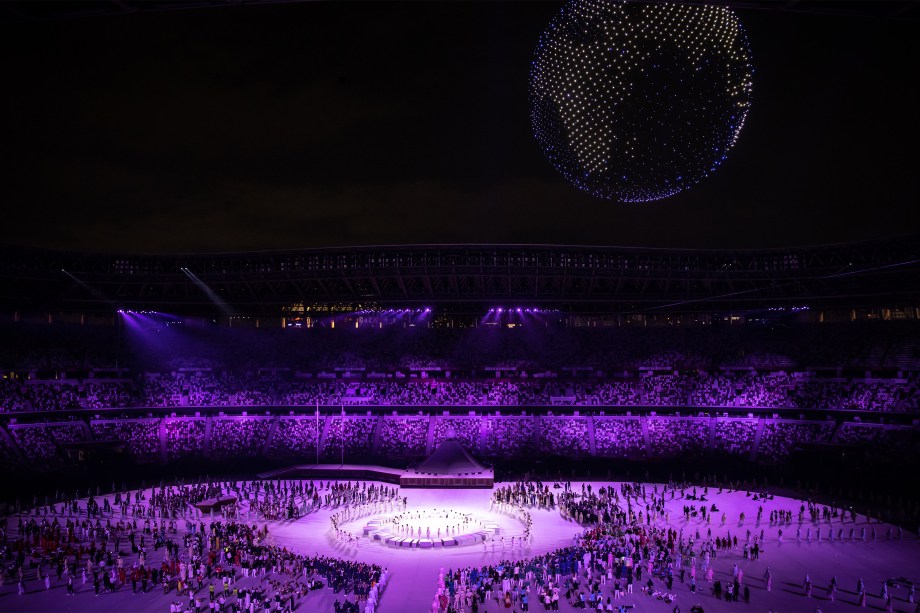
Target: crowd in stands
{"x":466,"y":430}
{"x":38,"y":443}
{"x":160,"y":391}
{"x":9,"y":456}
{"x":43,"y":444}
{"x":67,"y":432}
{"x":854,"y":367}
{"x":351,"y":436}
{"x":404,"y":436}
{"x":735,"y":436}
{"x":410,"y":437}
{"x":12,"y":397}
{"x":764,"y":390}
{"x":881,"y":441}
{"x":58,"y":395}
{"x":618,"y":437}
{"x":664,"y":390}
{"x":508,"y":436}
{"x":780,"y":437}
{"x":615,"y":393}
{"x":306,"y":394}
{"x":141,"y":437}
{"x":295,"y":437}
{"x":185,"y":438}
{"x":565,"y":436}
{"x":244,"y":436}
{"x":670,"y":438}
{"x":93,"y":376}
{"x":107,"y":395}
{"x":742,"y":389}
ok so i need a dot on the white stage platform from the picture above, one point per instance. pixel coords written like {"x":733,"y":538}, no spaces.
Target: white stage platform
{"x":407,"y":478}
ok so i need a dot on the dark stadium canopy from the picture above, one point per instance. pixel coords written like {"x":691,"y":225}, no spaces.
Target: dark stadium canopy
{"x":576,"y":278}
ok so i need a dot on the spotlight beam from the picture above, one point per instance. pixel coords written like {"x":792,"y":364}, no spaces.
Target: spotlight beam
{"x":217,"y":300}
{"x":92,"y":290}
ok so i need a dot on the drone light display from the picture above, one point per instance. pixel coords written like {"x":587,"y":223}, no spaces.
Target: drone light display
{"x":637,"y":102}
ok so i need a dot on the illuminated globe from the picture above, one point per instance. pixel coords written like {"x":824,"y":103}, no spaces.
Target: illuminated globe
{"x":637,"y":102}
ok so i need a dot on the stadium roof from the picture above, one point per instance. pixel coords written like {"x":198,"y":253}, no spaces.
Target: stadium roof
{"x":577,"y":278}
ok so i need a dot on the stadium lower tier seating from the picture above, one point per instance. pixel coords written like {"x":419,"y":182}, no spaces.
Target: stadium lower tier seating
{"x":369,"y":437}
{"x":740,"y":389}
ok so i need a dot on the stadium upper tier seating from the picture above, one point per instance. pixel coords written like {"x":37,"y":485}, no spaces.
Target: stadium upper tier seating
{"x":855,"y":367}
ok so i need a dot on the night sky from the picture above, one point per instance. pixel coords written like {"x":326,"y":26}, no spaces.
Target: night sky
{"x":332,"y":124}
